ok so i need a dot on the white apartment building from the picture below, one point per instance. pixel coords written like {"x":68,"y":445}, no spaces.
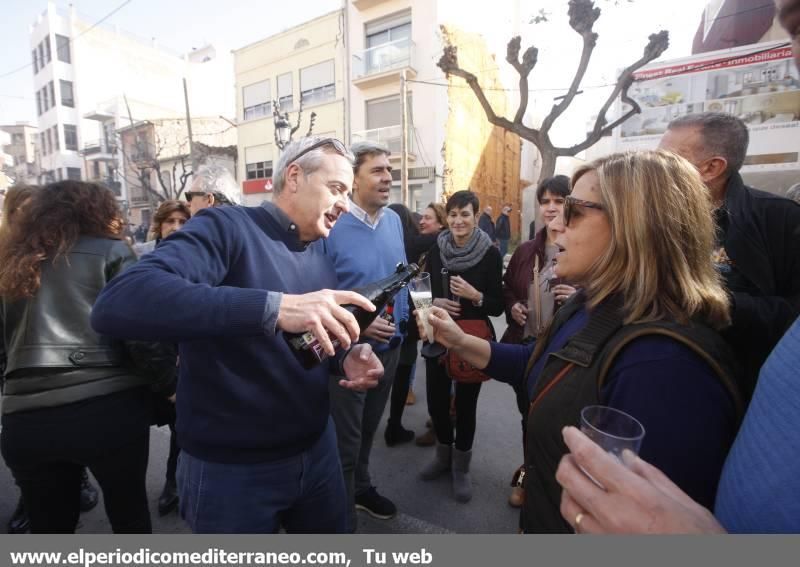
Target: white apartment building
{"x":78,"y":67}
{"x":451,"y":145}
{"x":302,"y":68}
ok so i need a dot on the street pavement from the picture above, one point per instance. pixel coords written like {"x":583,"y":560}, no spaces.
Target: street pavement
{"x":424,"y":507}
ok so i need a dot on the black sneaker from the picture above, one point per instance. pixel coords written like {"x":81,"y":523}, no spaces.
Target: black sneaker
{"x":375,"y":505}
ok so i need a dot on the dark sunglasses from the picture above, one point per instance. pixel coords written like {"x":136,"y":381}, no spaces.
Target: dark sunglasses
{"x":192,"y":194}
{"x":571,"y":202}
{"x":336,"y":144}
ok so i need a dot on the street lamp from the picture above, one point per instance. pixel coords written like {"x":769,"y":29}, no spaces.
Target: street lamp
{"x":283,"y":127}
{"x":283,"y":130}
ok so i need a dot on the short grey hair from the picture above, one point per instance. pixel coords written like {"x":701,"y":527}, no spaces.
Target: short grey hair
{"x":366,"y":149}
{"x":217,"y":180}
{"x":309,"y":162}
{"x":793,"y":193}
{"x":723,"y":135}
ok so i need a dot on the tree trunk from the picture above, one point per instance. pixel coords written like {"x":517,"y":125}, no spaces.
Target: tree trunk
{"x":548,"y":164}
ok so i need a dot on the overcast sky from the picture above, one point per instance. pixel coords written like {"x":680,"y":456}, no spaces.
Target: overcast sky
{"x":183,"y":24}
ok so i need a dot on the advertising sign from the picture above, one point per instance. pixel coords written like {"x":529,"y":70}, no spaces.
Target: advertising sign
{"x":758,"y":83}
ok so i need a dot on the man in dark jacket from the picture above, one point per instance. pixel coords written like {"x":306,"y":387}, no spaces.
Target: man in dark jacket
{"x":502,"y":229}
{"x":486,"y":223}
{"x":758,"y":233}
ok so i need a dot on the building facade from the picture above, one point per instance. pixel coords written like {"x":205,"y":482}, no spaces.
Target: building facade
{"x":22,"y":152}
{"x":78,"y":67}
{"x":301,"y":70}
{"x":158,"y":161}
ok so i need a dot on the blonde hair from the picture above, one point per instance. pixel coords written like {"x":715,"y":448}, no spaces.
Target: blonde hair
{"x":662,"y":239}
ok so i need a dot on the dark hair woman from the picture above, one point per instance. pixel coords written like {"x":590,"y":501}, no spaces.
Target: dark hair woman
{"x":14,"y":200}
{"x":531,"y":299}
{"x":417,"y":245}
{"x":72,"y":398}
{"x":170,"y":217}
{"x":474,"y":268}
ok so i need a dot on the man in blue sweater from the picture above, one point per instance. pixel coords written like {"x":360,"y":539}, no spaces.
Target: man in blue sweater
{"x":366,"y":245}
{"x":258,"y":445}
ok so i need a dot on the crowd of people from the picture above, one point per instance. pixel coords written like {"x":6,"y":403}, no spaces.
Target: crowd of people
{"x":657,"y":284}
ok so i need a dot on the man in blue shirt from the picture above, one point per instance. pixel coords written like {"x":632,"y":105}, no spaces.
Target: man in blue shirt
{"x":258,"y":448}
{"x":366,"y":245}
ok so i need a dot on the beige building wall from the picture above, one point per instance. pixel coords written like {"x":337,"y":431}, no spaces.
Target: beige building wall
{"x":290,"y":52}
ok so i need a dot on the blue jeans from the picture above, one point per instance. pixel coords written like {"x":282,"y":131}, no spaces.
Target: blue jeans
{"x":303,"y":494}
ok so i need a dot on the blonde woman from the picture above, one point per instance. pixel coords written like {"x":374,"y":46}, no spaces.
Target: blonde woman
{"x":641,"y":336}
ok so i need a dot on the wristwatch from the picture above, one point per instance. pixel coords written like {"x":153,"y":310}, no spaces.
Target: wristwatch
{"x":478,"y":303}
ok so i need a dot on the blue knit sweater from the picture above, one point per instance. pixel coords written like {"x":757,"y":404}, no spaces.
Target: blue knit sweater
{"x":242,"y":397}
{"x":363,"y":255}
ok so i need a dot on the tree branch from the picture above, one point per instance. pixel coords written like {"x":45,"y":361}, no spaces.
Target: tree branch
{"x":657,"y":44}
{"x":524,"y":68}
{"x":582,"y":16}
{"x":449,"y":64}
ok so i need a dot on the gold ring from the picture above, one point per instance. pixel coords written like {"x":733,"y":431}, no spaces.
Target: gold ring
{"x":578,"y":519}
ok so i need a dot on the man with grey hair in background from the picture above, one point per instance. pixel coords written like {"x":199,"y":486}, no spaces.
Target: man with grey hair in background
{"x":757,"y":252}
{"x":212,"y":186}
{"x":258,"y":446}
{"x":366,"y":245}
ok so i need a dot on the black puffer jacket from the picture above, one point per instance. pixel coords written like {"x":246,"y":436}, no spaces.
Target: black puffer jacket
{"x":49,"y":354}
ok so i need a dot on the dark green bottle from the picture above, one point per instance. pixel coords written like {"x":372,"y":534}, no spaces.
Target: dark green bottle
{"x":306,"y":347}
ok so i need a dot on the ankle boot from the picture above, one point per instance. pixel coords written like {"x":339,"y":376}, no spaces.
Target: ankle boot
{"x":88,"y":492}
{"x":462,"y":484}
{"x":440,"y":464}
{"x":396,"y":434}
{"x":19,"y":522}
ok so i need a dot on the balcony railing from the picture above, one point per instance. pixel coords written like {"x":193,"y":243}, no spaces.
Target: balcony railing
{"x":98,"y":147}
{"x":390,"y":137}
{"x":385,"y":57}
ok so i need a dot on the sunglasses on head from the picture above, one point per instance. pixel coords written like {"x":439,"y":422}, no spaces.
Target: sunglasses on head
{"x":570,"y":204}
{"x":333,"y":142}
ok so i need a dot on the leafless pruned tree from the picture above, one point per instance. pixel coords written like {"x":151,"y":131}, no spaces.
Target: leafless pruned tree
{"x":582,"y":16}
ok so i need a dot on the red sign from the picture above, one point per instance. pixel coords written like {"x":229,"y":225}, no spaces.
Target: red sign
{"x":697,"y":66}
{"x":252,"y":186}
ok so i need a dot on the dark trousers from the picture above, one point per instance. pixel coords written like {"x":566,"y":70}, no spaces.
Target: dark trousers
{"x":172,"y":458}
{"x":400,"y":388}
{"x":438,"y":390}
{"x":47,"y":449}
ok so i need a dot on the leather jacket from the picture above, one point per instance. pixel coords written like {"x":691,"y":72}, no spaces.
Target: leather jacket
{"x":51,"y":356}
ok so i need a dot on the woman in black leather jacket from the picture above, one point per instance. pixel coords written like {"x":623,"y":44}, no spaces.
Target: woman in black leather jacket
{"x":73,"y":398}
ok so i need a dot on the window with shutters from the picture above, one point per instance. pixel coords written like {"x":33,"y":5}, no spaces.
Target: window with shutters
{"x":70,"y":137}
{"x":256,"y":100}
{"x":388,"y":42}
{"x":317,"y":83}
{"x":285,"y":96}
{"x":259,"y":170}
{"x":47,"y":48}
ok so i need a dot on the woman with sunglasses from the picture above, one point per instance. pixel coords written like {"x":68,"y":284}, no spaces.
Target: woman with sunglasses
{"x":532,"y":292}
{"x":641,"y":336}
